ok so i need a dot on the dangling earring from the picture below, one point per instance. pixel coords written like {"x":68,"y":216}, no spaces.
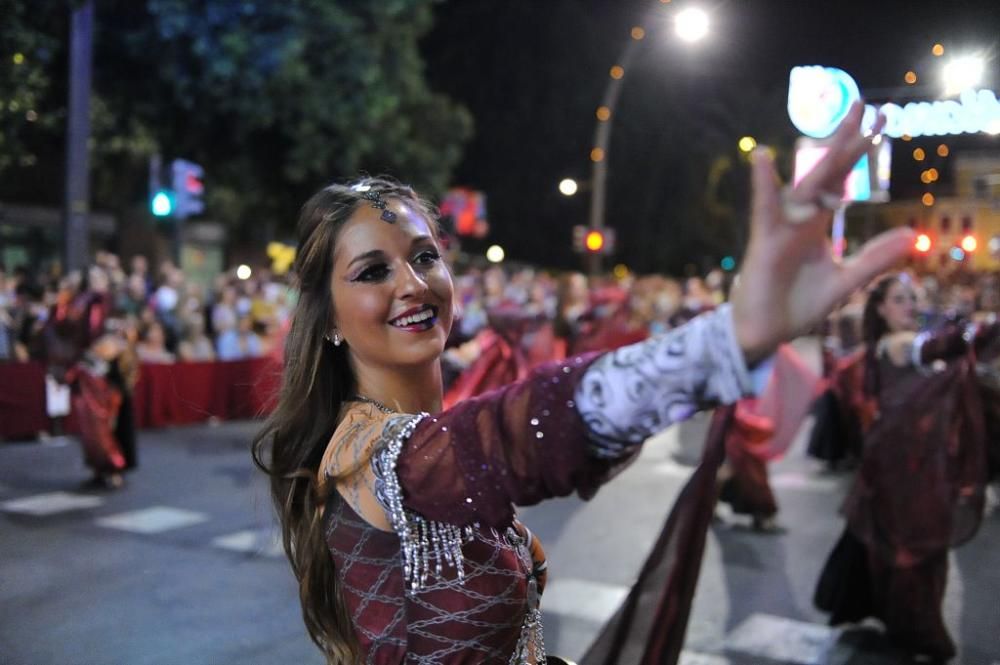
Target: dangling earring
{"x":335,"y":338}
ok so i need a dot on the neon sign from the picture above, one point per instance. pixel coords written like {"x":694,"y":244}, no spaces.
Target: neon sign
{"x":819,"y":98}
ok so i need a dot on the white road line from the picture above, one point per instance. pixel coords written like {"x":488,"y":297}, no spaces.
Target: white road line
{"x":672,"y":469}
{"x":800,"y":481}
{"x":582,"y":599}
{"x":778,"y":638}
{"x":51,"y":503}
{"x":695,"y":658}
{"x":264,"y":542}
{"x":152,"y":520}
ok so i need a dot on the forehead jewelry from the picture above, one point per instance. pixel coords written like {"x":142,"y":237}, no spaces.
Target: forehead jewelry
{"x":378,"y":202}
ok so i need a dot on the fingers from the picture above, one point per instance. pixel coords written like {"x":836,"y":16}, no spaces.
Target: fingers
{"x":875,"y":257}
{"x":846,"y":147}
{"x":766,"y":198}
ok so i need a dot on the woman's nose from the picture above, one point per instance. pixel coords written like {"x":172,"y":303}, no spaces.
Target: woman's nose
{"x":409,"y":283}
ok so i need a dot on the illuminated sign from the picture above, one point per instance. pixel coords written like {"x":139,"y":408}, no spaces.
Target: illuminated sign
{"x":819,"y":98}
{"x":863,"y":183}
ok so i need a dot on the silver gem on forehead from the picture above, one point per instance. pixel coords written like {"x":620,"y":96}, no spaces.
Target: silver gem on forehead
{"x":378,"y":202}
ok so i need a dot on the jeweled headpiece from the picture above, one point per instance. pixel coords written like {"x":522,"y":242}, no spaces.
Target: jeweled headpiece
{"x":377,"y":201}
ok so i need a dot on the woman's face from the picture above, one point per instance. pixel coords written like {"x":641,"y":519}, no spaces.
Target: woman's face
{"x":392,"y":292}
{"x":899,"y":308}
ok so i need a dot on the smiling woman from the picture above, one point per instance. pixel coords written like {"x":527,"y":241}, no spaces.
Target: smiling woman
{"x":400,"y":526}
{"x":392,"y":299}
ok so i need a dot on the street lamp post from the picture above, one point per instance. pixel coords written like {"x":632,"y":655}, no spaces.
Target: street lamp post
{"x":76,"y":215}
{"x":691,"y":25}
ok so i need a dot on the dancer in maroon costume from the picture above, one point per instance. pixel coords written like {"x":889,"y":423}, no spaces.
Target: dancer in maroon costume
{"x":400,"y":526}
{"x":921,"y":485}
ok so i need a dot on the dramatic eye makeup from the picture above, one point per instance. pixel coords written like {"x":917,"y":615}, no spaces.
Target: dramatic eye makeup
{"x":374,"y":267}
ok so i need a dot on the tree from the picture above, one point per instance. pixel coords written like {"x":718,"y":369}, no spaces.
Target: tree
{"x":274,"y":99}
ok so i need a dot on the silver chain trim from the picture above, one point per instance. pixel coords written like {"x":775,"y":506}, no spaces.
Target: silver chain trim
{"x":425,"y":544}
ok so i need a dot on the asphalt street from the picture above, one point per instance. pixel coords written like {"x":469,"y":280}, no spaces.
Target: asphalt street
{"x":181,"y":566}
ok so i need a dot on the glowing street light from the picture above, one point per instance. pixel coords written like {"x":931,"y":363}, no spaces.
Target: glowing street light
{"x":691,"y":24}
{"x":243,"y":272}
{"x":568,"y":187}
{"x":962,"y":73}
{"x":923,"y":243}
{"x":747,"y":144}
{"x":495,"y":254}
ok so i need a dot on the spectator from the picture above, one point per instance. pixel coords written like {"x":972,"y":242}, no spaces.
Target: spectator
{"x":240,"y":343}
{"x":152,"y":346}
{"x":224,"y":317}
{"x":195,"y":346}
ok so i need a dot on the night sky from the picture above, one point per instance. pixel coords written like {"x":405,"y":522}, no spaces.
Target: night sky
{"x":532,"y":72}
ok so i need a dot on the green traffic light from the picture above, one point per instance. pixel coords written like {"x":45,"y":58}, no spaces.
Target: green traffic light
{"x":162,"y":205}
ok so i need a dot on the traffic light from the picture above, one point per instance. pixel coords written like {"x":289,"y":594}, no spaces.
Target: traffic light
{"x":594,"y":242}
{"x":162,"y":204}
{"x":188,"y":188}
{"x":923,"y":243}
{"x":969,"y":244}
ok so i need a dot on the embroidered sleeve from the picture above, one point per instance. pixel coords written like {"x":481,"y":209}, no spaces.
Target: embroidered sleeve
{"x":630,"y":394}
{"x":954,"y":340}
{"x":517,"y":445}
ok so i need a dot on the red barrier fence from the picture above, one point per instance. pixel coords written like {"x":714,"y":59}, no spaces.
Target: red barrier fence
{"x":174,"y":394}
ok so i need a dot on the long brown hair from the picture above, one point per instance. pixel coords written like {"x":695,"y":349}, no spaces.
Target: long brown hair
{"x":873,"y":327}
{"x":316,"y":381}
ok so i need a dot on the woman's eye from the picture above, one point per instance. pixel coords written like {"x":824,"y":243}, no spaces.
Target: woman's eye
{"x":428,"y":257}
{"x":374,"y":273}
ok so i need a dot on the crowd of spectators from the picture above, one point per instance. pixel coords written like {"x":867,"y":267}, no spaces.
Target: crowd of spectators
{"x":167,"y":318}
{"x":162,"y":315}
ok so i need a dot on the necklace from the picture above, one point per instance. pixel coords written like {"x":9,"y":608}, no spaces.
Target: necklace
{"x":374,"y":402}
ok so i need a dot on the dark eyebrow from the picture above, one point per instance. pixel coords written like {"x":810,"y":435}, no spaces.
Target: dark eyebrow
{"x":378,"y":253}
{"x":367,"y":255}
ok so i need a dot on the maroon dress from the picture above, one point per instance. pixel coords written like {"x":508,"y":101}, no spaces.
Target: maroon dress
{"x":463,"y":594}
{"x":432,"y":563}
{"x":919,"y":491}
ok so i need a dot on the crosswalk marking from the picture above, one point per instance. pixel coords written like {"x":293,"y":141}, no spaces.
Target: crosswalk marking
{"x":265,"y":542}
{"x":51,"y":503}
{"x":672,"y":469}
{"x":695,"y":658}
{"x":801,"y":481}
{"x":781,"y":639}
{"x":152,"y":520}
{"x":583,"y":599}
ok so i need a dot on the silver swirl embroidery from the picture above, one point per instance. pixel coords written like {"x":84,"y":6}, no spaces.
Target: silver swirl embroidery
{"x":632,"y":393}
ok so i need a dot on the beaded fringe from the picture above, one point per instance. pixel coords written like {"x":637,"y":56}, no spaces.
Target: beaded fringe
{"x":426,"y":545}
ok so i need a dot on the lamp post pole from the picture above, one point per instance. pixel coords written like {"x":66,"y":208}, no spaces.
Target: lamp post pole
{"x":77,"y":203}
{"x":599,"y":155}
{"x":602,"y":135}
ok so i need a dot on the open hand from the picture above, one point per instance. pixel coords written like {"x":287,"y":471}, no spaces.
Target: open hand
{"x":790,"y":280}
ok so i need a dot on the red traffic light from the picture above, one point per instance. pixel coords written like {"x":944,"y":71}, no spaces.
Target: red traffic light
{"x":594,"y":241}
{"x":923,"y":243}
{"x":193,"y":184}
{"x":969,"y":243}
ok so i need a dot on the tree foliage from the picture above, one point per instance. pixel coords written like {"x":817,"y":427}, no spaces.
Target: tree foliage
{"x":273,"y":99}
